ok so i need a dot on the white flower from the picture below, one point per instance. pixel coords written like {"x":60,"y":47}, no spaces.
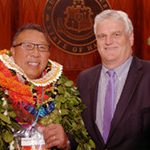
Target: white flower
{"x":5,"y":112}
{"x":4,"y":101}
{"x":11,"y":146}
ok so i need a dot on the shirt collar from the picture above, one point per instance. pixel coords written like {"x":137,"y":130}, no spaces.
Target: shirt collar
{"x":122,"y":69}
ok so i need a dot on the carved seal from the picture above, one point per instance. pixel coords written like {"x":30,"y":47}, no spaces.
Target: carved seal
{"x":69,"y":24}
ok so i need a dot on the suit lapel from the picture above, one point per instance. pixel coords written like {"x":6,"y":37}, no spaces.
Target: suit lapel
{"x":133,"y":78}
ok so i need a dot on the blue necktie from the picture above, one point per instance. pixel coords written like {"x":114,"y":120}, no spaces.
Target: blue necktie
{"x":108,"y":104}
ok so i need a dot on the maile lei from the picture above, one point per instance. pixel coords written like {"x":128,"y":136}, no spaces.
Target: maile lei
{"x":21,"y":101}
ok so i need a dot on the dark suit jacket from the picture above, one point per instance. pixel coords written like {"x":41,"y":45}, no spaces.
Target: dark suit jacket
{"x":130,"y":127}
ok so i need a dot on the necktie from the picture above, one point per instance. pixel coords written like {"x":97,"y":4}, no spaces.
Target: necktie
{"x":108,"y":104}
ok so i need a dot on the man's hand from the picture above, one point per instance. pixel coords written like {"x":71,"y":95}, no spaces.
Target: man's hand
{"x":55,"y":136}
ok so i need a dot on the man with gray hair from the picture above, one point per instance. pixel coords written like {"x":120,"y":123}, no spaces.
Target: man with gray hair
{"x":116,"y":92}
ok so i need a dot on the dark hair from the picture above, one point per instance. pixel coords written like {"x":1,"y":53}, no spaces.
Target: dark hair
{"x":29,"y":26}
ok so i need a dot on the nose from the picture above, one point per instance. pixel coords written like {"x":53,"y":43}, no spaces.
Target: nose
{"x":35,"y":52}
{"x":108,"y":40}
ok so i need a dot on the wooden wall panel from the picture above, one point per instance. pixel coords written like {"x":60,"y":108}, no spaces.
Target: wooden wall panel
{"x":146,"y":29}
{"x":5,"y":23}
{"x":125,"y":5}
{"x":31,"y":11}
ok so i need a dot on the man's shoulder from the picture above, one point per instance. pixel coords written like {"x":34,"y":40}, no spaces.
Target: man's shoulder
{"x":91,"y":71}
{"x":140,"y":63}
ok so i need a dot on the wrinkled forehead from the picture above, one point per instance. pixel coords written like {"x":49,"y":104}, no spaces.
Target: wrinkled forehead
{"x":110,"y":19}
{"x":110,"y":23}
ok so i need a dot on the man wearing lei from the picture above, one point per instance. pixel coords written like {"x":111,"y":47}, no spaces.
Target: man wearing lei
{"x":33,"y":90}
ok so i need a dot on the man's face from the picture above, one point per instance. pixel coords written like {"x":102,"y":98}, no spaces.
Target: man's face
{"x":33,"y":62}
{"x":114,"y":44}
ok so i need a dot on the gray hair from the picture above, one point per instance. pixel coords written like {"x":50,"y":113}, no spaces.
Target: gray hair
{"x":116,"y":14}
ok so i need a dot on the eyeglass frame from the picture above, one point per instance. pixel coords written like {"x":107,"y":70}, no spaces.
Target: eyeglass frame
{"x":33,"y":46}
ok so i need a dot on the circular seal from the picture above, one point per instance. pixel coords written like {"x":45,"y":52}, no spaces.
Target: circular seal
{"x":69,"y":24}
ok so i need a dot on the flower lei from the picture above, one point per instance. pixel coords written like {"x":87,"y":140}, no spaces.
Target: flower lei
{"x":60,"y":104}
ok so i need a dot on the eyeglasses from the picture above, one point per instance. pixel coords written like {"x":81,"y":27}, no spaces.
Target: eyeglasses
{"x":30,"y":46}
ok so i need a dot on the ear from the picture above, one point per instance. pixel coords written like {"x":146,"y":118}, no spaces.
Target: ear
{"x":132,"y":39}
{"x":12,"y":50}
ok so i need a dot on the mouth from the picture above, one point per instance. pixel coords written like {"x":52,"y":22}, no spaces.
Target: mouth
{"x":33,"y":64}
{"x":110,"y":48}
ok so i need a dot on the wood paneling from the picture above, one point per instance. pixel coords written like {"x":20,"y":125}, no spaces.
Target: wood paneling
{"x":15,"y":13}
{"x":145,"y":20}
{"x":31,"y":11}
{"x":5,"y":23}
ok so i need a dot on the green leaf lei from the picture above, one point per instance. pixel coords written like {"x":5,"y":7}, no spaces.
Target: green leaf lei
{"x":67,"y":112}
{"x":7,"y":122}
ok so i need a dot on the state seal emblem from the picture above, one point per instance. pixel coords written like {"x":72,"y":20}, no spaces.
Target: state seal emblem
{"x":69,"y":24}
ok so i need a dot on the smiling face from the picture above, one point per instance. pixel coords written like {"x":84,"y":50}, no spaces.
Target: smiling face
{"x":114,"y":44}
{"x":32,"y":62}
